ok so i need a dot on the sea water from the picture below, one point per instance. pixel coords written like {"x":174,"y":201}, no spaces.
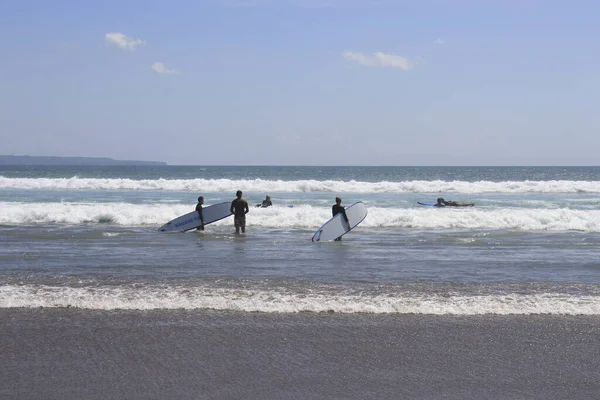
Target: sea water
{"x":87,"y":237}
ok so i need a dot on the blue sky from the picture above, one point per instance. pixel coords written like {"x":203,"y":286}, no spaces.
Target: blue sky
{"x":265,"y":82}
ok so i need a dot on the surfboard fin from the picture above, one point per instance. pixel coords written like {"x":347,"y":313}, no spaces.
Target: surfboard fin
{"x":318,"y":236}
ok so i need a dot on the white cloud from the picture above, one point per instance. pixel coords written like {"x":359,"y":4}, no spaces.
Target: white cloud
{"x":439,"y":41}
{"x":162,"y":69}
{"x":123,"y":42}
{"x":379,"y":59}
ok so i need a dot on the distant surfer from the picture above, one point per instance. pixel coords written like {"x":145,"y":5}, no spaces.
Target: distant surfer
{"x":266,"y":202}
{"x":199,"y":209}
{"x":239,"y":209}
{"x":444,"y":203}
{"x":336,"y":209}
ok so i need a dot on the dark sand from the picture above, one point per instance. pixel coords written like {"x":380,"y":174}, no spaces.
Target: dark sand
{"x":82,"y":354}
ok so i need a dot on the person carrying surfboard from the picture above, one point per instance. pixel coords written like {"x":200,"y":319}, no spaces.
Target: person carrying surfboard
{"x":199,"y":209}
{"x":336,"y":209}
{"x":239,"y":209}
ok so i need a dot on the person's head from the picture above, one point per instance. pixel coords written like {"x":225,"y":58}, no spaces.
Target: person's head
{"x":440,"y":200}
{"x":268,"y":197}
{"x":338,"y":200}
{"x":201,"y":199}
{"x":238,"y":194}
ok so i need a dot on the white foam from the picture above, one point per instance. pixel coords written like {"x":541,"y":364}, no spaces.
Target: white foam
{"x":111,"y":234}
{"x":309,"y":217}
{"x":164,"y":297}
{"x":301,"y":186}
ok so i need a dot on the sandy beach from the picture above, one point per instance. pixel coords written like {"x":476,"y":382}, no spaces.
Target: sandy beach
{"x":70,"y":353}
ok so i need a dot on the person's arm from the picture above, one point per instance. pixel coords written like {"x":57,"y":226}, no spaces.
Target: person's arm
{"x":231,"y":207}
{"x":246,"y":208}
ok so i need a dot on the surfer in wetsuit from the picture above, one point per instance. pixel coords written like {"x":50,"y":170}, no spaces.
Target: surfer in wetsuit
{"x":443,"y":203}
{"x":266,"y":202}
{"x":199,"y":209}
{"x":336,"y":209}
{"x":239,"y":209}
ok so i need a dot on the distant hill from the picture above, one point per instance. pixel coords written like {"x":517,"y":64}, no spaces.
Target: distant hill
{"x":42,"y":160}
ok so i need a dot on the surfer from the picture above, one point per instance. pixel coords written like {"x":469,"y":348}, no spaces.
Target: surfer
{"x":336,"y":209}
{"x":444,"y":203}
{"x":266,"y":202}
{"x":239,"y":209}
{"x":199,"y":209}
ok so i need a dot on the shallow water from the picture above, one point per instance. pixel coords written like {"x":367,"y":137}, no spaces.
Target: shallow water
{"x":87,"y":237}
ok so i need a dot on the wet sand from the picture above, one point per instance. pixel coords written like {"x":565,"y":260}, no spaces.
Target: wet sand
{"x":83,"y":354}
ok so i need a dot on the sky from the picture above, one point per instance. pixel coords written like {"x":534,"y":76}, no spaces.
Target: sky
{"x":312,"y":82}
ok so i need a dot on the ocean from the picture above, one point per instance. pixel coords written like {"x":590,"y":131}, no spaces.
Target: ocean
{"x":499,"y":300}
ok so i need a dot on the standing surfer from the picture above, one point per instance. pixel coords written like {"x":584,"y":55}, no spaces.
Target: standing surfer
{"x":199,"y":209}
{"x":336,"y":209}
{"x":239,"y":209}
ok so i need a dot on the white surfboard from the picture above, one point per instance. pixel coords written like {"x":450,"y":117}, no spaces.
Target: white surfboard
{"x":191,"y":220}
{"x":337,"y":226}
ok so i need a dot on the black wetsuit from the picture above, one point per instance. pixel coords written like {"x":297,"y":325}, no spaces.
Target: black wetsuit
{"x":337,"y":209}
{"x":199,"y":209}
{"x":451,"y":204}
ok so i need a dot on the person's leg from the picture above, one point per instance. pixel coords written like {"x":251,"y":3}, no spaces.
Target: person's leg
{"x":243,"y":225}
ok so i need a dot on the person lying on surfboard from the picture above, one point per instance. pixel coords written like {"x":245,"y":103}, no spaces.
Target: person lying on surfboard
{"x":444,"y":203}
{"x":336,"y":209}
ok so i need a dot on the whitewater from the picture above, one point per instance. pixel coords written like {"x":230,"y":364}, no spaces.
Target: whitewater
{"x":301,"y":186}
{"x":308,"y":216}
